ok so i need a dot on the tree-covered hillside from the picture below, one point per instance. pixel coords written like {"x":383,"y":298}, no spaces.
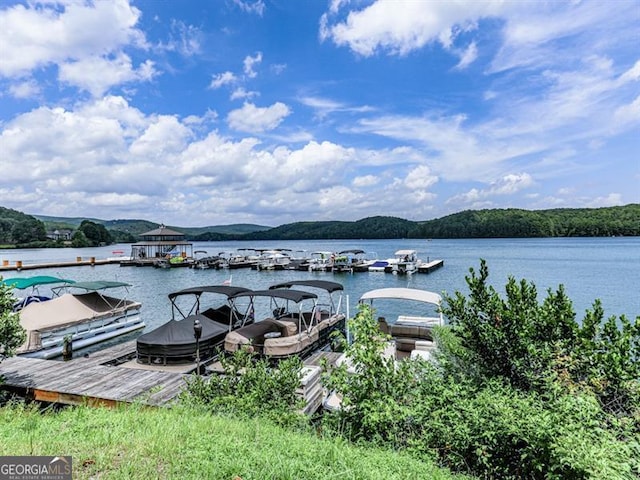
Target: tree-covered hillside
{"x":17,"y":227}
{"x":367,"y":228}
{"x":514,"y":223}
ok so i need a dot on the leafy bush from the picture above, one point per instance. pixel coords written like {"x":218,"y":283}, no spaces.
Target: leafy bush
{"x":503,"y":399}
{"x":516,"y":338}
{"x":252,"y":387}
{"x":607,"y":359}
{"x":12,"y":335}
{"x":533,"y":346}
{"x":376,"y":393}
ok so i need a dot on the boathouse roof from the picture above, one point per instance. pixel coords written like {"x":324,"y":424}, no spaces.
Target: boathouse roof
{"x":162,"y":231}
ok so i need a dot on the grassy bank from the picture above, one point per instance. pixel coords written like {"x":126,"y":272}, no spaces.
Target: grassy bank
{"x":138,"y":443}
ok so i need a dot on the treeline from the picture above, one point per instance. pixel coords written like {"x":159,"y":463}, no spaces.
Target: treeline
{"x":22,"y":230}
{"x":515,"y":223}
{"x":495,"y":223}
{"x":16,"y":228}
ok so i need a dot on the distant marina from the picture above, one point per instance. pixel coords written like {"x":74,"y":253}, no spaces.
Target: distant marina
{"x":589,"y":268}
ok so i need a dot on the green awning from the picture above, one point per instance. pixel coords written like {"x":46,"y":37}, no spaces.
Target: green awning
{"x":27,"y":282}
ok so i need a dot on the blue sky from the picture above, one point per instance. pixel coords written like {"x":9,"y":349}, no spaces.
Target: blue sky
{"x":199,"y":113}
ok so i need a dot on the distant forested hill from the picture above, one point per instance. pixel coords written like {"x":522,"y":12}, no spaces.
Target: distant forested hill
{"x":514,"y":223}
{"x":493,"y":223}
{"x":129,"y":229}
{"x":372,"y":227}
{"x":17,"y":227}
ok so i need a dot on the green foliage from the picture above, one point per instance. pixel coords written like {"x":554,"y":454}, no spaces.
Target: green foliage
{"x":79,"y":240}
{"x":516,"y":338}
{"x":516,"y":223}
{"x":95,"y":233}
{"x":376,"y":394}
{"x":12,"y":335}
{"x":607,"y":359}
{"x":372,"y":227}
{"x":504,"y":223}
{"x":18,"y":228}
{"x":494,"y":431}
{"x":510,"y":395}
{"x":540,"y":346}
{"x":252,"y":387}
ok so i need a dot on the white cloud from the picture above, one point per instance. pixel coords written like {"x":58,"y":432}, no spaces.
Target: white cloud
{"x":400,"y":26}
{"x":254,"y":119}
{"x":58,"y":32}
{"x":420,"y":178}
{"x":468,"y":56}
{"x":365,"y":181}
{"x":507,"y":185}
{"x":98,"y":74}
{"x":610,"y":200}
{"x":221,"y":79}
{"x":184,"y":39}
{"x":240,"y":94}
{"x":250,"y":62}
{"x":255,"y":6}
{"x":26,"y":89}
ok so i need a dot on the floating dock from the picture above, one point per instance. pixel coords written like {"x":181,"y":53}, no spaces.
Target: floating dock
{"x":92,"y":261}
{"x":429,"y":267}
{"x":112,"y":377}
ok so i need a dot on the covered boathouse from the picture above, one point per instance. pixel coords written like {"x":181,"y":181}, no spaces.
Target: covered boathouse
{"x":161,"y":243}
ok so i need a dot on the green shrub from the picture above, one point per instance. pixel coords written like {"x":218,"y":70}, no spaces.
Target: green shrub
{"x":505,"y":412}
{"x":252,"y":387}
{"x":12,"y":335}
{"x":517,"y":338}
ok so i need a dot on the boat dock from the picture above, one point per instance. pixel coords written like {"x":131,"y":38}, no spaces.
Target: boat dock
{"x":430,"y":266}
{"x":91,"y":261}
{"x":112,"y":377}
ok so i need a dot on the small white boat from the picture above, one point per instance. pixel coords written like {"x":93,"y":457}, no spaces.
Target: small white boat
{"x":406,"y":262}
{"x":320,"y":261}
{"x":411,"y":334}
{"x":78,"y":319}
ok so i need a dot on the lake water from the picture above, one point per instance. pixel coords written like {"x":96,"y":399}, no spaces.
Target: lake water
{"x":589,"y":268}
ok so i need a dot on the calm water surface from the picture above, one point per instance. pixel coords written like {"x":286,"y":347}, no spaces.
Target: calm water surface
{"x":589,"y":268}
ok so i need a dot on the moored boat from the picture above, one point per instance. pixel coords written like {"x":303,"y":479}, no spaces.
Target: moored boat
{"x":33,"y":287}
{"x":175,"y":341}
{"x":412,"y":335}
{"x":299,"y":324}
{"x":78,"y":320}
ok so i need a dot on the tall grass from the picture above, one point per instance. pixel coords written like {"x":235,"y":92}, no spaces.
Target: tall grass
{"x":134,"y":442}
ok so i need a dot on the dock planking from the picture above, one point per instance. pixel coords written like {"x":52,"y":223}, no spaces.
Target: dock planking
{"x":86,"y":380}
{"x":101,"y":379}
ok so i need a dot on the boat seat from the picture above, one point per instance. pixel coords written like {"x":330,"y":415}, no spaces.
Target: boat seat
{"x":416,"y":332}
{"x":254,"y":334}
{"x":383,"y":325}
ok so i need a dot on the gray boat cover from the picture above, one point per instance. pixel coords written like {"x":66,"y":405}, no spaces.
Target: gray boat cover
{"x":175,"y":339}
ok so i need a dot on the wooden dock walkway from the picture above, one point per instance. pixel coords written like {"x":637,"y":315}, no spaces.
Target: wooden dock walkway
{"x":90,"y":380}
{"x":111,"y":377}
{"x":19,"y":265}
